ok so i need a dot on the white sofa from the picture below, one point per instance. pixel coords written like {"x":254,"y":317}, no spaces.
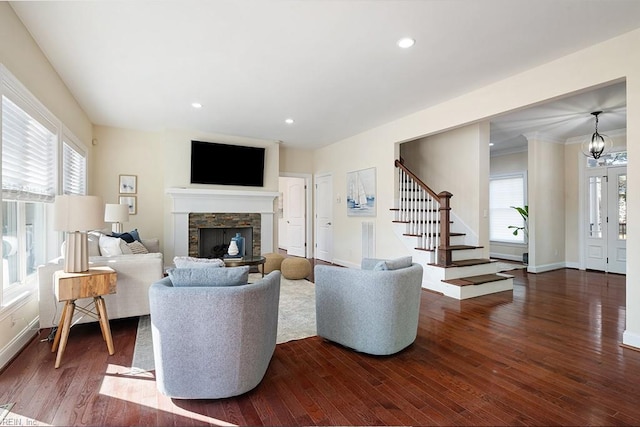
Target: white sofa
{"x":135,"y":273}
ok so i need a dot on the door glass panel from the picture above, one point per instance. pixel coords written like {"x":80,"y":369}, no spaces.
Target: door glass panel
{"x":609,"y":159}
{"x":595,"y":207}
{"x":622,"y":207}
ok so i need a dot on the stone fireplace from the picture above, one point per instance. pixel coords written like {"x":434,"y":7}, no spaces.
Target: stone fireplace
{"x":210,"y":233}
{"x":193,"y":209}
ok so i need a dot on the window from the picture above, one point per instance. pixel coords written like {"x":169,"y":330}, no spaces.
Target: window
{"x":506,"y":191}
{"x":32,"y":147}
{"x":74,"y":168}
{"x":28,"y":182}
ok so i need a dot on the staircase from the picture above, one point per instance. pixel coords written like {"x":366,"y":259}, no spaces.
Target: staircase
{"x":446,"y":248}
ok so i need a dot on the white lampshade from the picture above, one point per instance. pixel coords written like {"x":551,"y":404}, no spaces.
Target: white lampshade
{"x":116,"y":213}
{"x":78,"y":213}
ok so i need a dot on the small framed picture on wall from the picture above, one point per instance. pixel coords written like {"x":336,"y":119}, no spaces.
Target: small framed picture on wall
{"x":128,"y":184}
{"x":131,"y":202}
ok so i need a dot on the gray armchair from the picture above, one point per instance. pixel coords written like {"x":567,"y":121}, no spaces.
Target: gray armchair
{"x":213,"y":342}
{"x":374,"y":312}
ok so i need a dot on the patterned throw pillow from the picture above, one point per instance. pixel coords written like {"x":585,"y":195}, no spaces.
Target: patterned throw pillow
{"x":137,"y":248}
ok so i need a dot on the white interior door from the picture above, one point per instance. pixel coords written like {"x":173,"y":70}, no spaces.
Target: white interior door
{"x":324,"y":218}
{"x":606,"y":248}
{"x":294,"y":207}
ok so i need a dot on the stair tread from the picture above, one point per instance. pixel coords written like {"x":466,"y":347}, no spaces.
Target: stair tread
{"x":469,"y":262}
{"x":477,"y":280}
{"x":462,"y":247}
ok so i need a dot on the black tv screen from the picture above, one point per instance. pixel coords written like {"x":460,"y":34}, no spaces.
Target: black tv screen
{"x":225,"y":164}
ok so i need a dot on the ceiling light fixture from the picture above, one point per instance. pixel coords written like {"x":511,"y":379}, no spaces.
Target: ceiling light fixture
{"x":406,"y":42}
{"x":196,"y":105}
{"x":289,"y":121}
{"x":598,"y":144}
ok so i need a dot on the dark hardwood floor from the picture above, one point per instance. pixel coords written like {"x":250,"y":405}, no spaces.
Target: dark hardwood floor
{"x":547,"y":353}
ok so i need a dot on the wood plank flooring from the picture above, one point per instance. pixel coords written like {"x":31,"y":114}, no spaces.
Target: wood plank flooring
{"x":547,"y":353}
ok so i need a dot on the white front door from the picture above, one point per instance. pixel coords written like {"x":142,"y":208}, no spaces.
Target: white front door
{"x":324,"y":218}
{"x":617,"y":220}
{"x":606,"y":227}
{"x":294,"y":207}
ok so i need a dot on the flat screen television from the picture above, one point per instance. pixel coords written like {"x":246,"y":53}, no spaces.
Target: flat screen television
{"x":225,"y":164}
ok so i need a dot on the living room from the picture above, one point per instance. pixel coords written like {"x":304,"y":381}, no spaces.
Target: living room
{"x":160,"y":158}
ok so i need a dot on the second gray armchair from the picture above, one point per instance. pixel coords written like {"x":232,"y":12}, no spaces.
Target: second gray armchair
{"x":374,"y":312}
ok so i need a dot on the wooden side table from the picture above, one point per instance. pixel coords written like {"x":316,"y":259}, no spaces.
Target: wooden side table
{"x":94,"y":283}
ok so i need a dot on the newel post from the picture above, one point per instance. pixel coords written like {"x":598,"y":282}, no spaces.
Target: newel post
{"x":444,"y":253}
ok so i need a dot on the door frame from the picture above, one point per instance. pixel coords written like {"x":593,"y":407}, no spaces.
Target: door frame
{"x":582,"y":202}
{"x":308,"y":195}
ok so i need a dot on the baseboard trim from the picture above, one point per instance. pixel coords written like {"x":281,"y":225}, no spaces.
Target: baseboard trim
{"x":344,"y":263}
{"x":18,"y":343}
{"x":631,"y":340}
{"x":546,"y":267}
{"x":507,"y":257}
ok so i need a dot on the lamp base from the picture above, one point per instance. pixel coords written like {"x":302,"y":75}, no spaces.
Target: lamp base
{"x":116,"y":227}
{"x":76,"y":258}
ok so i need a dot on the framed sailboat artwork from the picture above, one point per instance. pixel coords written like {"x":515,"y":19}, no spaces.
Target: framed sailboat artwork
{"x":361,"y":192}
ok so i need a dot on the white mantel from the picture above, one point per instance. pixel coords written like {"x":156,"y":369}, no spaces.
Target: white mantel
{"x":187,"y":200}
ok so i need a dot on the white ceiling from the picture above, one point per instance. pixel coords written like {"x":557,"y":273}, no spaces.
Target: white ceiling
{"x":333,"y":66}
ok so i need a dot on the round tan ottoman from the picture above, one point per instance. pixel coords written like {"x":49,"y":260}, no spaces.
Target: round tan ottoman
{"x":272,"y":262}
{"x":295,"y":268}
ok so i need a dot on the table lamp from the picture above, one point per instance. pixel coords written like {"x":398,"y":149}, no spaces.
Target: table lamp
{"x":116,"y":214}
{"x":76,"y":215}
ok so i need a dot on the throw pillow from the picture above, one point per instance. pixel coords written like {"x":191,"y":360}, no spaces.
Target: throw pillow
{"x":124,"y":247}
{"x":93,"y":241}
{"x":394,"y":264}
{"x":232,"y":276}
{"x":192,"y":262}
{"x":109,"y":246}
{"x":136,"y":248}
{"x":129,"y":236}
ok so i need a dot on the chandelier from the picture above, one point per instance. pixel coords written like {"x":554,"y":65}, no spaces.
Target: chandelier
{"x":598,"y":143}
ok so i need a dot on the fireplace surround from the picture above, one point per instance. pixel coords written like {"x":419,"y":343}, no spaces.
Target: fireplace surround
{"x":186,"y":201}
{"x":210,"y":233}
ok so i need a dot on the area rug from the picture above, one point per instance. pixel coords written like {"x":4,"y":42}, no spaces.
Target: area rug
{"x":296,"y":320}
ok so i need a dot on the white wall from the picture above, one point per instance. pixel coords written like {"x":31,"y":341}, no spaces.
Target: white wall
{"x":127,"y":152}
{"x":546,"y":203}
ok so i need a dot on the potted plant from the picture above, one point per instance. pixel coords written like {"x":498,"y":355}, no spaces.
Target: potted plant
{"x":524,"y":213}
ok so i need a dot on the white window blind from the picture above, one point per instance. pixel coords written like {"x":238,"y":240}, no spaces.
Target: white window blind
{"x":28,"y":153}
{"x":505,"y":192}
{"x":74,"y":166}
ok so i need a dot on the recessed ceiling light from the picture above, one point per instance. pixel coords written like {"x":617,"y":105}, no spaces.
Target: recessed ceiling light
{"x":406,"y":42}
{"x":196,"y":105}
{"x":289,"y":121}
{"x":491,"y":144}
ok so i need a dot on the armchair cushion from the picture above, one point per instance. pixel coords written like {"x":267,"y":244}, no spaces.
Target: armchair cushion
{"x":233,"y":276}
{"x":393,"y":264}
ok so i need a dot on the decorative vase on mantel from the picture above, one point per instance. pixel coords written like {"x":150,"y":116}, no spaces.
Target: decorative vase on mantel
{"x":239,"y":240}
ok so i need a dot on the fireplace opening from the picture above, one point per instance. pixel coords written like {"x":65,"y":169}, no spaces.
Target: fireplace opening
{"x":213,"y":242}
